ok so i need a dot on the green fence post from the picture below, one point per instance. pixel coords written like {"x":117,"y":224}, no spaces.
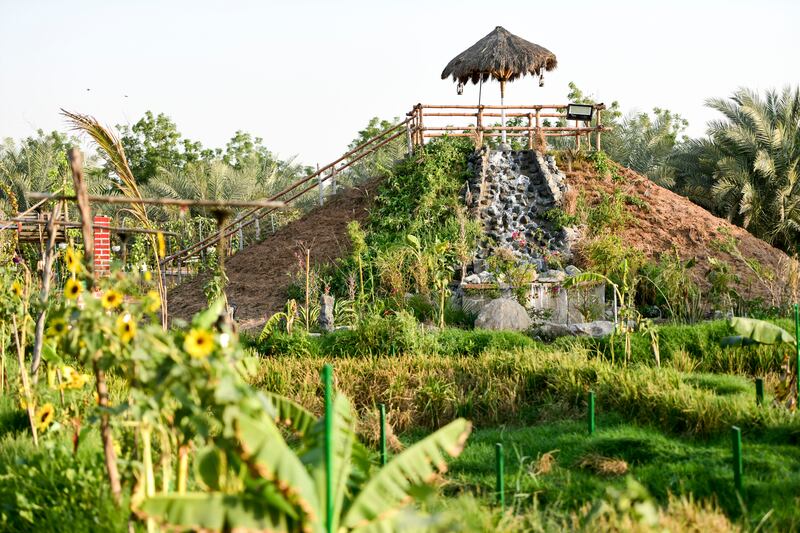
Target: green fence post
{"x":327,"y":378}
{"x":590,"y":412}
{"x":797,"y":351}
{"x":759,"y":391}
{"x":736,"y":441}
{"x":500,"y":468}
{"x":383,"y":434}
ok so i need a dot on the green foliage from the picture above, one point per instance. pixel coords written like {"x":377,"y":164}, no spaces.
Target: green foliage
{"x":606,"y":254}
{"x":609,"y":214}
{"x":392,"y":334}
{"x":50,"y":488}
{"x":668,"y":284}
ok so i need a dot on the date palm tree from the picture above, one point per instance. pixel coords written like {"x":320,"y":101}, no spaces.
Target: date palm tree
{"x":756,"y":178}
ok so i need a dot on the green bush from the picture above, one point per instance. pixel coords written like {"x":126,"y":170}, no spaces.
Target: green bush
{"x":700,"y":342}
{"x":392,"y":334}
{"x":50,"y":489}
{"x":458,"y":342}
{"x":280,"y":344}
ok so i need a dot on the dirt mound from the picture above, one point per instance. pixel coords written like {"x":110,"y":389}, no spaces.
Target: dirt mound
{"x":259,"y":274}
{"x":667,"y":221}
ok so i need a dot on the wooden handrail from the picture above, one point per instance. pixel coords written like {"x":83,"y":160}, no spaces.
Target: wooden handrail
{"x":350,"y":158}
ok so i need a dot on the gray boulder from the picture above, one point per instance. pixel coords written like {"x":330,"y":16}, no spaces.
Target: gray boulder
{"x":596,"y":329}
{"x":503,"y":314}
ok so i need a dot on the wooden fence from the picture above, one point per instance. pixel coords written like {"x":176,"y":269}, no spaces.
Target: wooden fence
{"x":484,"y":121}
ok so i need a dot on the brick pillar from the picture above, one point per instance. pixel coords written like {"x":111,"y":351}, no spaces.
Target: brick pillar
{"x":102,"y":246}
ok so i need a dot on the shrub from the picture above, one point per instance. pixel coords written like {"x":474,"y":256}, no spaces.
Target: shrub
{"x":50,"y":489}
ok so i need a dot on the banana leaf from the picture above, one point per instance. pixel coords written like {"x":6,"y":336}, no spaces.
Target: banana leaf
{"x":393,"y":486}
{"x":761,"y":331}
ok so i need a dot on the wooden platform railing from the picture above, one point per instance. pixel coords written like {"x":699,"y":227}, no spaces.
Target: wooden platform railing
{"x":480,"y":122}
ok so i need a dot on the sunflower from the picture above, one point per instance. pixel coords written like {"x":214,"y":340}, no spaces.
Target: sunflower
{"x":111,"y":299}
{"x":198,"y":343}
{"x":73,"y":260}
{"x":16,"y":288}
{"x":126,"y":327}
{"x":44,"y":416}
{"x":72,"y":289}
{"x":153,"y":301}
{"x":57,"y":327}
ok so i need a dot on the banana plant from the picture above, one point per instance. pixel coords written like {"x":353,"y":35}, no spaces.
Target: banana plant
{"x":253,"y":480}
{"x":753,"y":331}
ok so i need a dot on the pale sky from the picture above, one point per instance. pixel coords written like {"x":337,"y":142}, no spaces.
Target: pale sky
{"x":307,"y":75}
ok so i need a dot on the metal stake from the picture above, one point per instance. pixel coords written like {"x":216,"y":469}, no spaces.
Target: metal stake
{"x":736,"y":441}
{"x":759,"y":391}
{"x":327,"y":378}
{"x":500,"y":481}
{"x":383,"y":434}
{"x":590,"y":413}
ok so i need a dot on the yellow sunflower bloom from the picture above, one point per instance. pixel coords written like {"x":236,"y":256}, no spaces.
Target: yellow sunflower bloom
{"x":72,"y":289}
{"x":72,"y":260}
{"x":44,"y":416}
{"x":111,"y":299}
{"x":16,"y":288}
{"x":126,"y":327}
{"x":153,"y":301}
{"x":199,"y":343}
{"x":57,"y":328}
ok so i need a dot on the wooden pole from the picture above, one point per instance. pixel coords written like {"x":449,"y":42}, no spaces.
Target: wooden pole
{"x":480,"y":126}
{"x":44,"y":294}
{"x":599,"y":129}
{"x":530,"y":131}
{"x":84,"y":210}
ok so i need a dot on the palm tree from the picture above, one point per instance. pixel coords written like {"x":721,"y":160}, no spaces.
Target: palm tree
{"x":756,"y":178}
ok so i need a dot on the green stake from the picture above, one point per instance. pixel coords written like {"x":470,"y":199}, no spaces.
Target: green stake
{"x":590,"y":413}
{"x":500,"y":468}
{"x":759,"y":391}
{"x":736,"y":441}
{"x":327,"y":378}
{"x":797,"y":349}
{"x":383,"y":434}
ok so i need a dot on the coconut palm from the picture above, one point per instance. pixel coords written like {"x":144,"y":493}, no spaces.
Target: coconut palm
{"x":756,"y":178}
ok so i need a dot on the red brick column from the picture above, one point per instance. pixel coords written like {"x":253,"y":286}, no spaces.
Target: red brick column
{"x":102,"y":246}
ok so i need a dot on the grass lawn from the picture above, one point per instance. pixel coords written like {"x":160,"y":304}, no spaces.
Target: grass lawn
{"x":561,"y":466}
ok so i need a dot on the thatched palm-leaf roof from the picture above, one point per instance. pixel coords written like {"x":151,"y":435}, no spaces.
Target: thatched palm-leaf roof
{"x":500,"y":55}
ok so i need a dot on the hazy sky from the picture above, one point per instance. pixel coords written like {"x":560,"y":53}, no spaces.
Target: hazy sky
{"x":306,"y":76}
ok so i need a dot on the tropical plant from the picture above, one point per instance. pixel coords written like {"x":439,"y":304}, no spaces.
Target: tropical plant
{"x":757,"y":177}
{"x":254,"y":480}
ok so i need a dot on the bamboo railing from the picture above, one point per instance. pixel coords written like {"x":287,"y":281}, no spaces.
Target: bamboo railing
{"x":483,"y":121}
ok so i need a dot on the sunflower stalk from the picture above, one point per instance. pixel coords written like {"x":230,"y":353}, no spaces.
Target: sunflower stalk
{"x":19,"y":338}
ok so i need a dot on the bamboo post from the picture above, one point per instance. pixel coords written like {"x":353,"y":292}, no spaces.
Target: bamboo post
{"x":382,"y":408}
{"x":499,"y":461}
{"x":738,"y":470}
{"x":421,"y":125}
{"x":409,"y":142}
{"x":479,"y":126}
{"x":319,"y":186}
{"x":759,"y":391}
{"x":599,"y":129}
{"x":241,"y":237}
{"x":333,"y":179}
{"x":590,"y":413}
{"x":539,"y":132}
{"x":503,"y":110}
{"x":327,"y":378}
{"x":530,"y":131}
{"x":577,"y":135}
{"x":258,"y":230}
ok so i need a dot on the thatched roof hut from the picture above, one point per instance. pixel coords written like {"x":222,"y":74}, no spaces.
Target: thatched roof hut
{"x":500,"y":55}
